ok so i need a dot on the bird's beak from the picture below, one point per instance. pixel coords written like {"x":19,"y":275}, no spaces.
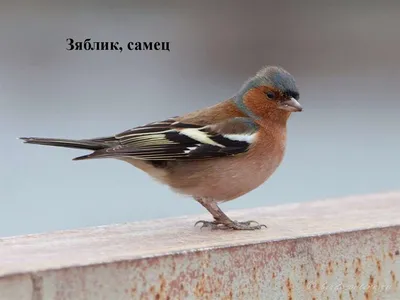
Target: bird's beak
{"x":290,"y":105}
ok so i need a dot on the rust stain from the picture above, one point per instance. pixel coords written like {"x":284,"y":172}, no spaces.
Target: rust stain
{"x":317,"y":283}
{"x":371,"y":280}
{"x":201,"y":289}
{"x":395,"y":283}
{"x":379,"y":266}
{"x":358,"y":261}
{"x":289,"y":287}
{"x":173,"y":266}
{"x":357,"y":271}
{"x":157,"y":293}
{"x":391,"y":255}
{"x":329,"y":269}
{"x":163,"y":283}
{"x":351,"y":295}
{"x":228,"y":297}
{"x":369,"y":293}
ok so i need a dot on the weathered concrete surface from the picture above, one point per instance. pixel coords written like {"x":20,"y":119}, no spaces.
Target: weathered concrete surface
{"x":334,"y":249}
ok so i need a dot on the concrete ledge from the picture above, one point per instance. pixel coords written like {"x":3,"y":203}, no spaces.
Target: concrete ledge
{"x":334,"y":249}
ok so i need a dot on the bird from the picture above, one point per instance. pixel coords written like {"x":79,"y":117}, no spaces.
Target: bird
{"x":214,"y":154}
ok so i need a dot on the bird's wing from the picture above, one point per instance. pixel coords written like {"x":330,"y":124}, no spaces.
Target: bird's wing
{"x":175,"y":140}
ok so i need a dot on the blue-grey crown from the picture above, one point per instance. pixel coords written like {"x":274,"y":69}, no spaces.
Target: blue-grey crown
{"x":278,"y":78}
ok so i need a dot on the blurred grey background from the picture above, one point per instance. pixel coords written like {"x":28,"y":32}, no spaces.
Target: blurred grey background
{"x":344,"y":56}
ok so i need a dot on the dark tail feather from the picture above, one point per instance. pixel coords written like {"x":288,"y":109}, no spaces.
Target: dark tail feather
{"x":77,"y":144}
{"x":88,"y":156}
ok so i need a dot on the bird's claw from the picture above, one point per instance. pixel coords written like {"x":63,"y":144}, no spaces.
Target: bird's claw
{"x":248,"y":223}
{"x":208,"y":224}
{"x":235,"y":225}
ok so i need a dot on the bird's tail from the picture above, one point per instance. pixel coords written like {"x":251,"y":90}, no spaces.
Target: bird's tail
{"x":77,"y":144}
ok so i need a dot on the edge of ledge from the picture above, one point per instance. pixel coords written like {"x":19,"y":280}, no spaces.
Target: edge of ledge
{"x":176,"y":236}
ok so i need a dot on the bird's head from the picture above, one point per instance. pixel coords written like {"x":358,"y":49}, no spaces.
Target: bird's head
{"x":271,"y":89}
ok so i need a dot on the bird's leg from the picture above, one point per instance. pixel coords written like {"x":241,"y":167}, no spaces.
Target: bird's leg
{"x":221,"y":220}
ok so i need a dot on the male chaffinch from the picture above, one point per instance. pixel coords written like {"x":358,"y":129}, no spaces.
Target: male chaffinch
{"x":214,"y":154}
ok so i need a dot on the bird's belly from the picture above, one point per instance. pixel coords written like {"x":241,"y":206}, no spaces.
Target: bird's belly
{"x":224,"y":181}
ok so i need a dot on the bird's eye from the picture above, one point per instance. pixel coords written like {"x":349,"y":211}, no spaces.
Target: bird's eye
{"x":271,"y":95}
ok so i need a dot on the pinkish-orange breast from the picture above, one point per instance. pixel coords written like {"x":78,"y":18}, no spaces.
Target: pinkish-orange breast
{"x":227,"y":178}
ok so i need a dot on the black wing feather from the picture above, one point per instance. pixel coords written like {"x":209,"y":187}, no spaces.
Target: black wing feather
{"x":168,"y":140}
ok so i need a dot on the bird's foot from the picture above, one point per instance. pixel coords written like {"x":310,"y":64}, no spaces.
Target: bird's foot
{"x":235,"y":225}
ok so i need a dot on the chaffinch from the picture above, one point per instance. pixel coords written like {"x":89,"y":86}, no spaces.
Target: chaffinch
{"x":214,"y":154}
